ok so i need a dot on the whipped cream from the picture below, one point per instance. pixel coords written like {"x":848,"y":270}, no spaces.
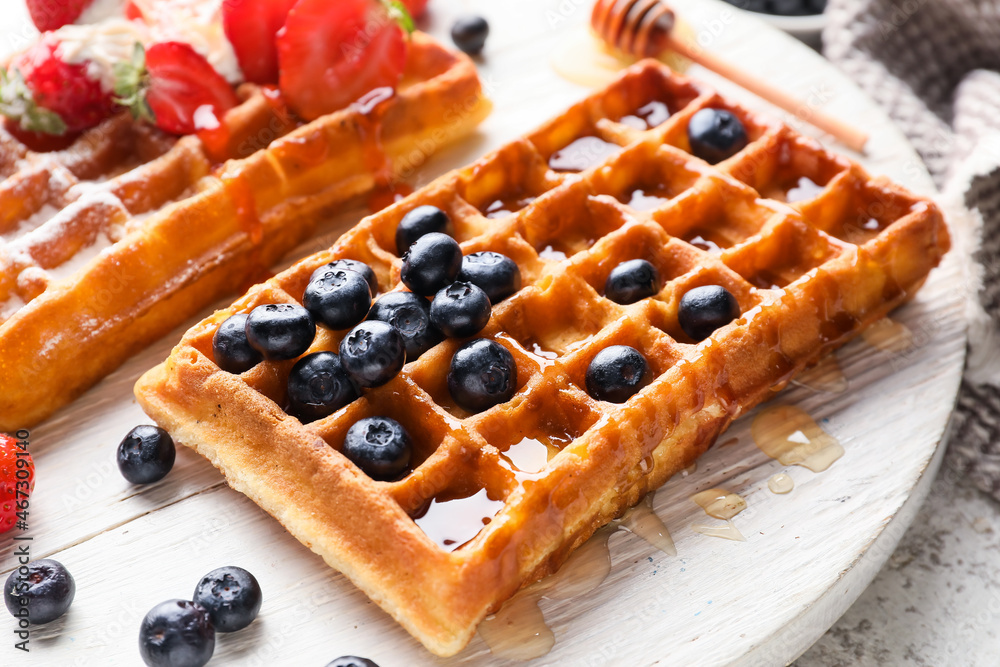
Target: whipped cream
{"x":103,"y":36}
{"x":198,"y":23}
{"x":100,"y":45}
{"x":100,"y":10}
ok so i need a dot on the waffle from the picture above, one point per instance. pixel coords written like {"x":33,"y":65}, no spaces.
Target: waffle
{"x":472,"y":522}
{"x":109,"y":244}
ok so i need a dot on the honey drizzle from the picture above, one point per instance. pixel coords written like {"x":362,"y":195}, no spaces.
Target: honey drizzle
{"x":781,"y":483}
{"x":888,"y":335}
{"x":825,"y":376}
{"x":518,"y":631}
{"x":720,"y":504}
{"x":791,"y":436}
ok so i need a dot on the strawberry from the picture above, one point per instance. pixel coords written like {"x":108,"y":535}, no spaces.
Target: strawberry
{"x":45,"y":94}
{"x":13,"y":458}
{"x":251,"y":26}
{"x":173,"y":86}
{"x":54,"y":14}
{"x":330,"y":54}
{"x":415,"y":7}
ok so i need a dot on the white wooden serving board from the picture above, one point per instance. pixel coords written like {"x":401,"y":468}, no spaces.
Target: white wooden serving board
{"x":808,"y":554}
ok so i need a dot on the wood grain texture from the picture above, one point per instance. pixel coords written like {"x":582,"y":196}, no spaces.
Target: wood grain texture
{"x":808,"y":554}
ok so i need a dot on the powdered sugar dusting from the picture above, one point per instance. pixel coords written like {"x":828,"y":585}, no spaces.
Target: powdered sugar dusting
{"x":40,"y":217}
{"x":9,"y":307}
{"x":82,"y":258}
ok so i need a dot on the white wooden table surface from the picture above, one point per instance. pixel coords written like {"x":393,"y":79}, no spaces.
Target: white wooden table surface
{"x":808,"y":554}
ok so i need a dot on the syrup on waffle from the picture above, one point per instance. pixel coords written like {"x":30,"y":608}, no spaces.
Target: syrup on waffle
{"x":590,"y":189}
{"x":109,"y":244}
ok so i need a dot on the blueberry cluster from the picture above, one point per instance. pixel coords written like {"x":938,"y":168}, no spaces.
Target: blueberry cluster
{"x":181,"y":633}
{"x":782,"y":7}
{"x":383,"y":335}
{"x":617,"y":372}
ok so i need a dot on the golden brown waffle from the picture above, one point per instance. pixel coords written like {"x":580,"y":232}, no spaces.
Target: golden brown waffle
{"x":807,"y":278}
{"x":107,"y":245}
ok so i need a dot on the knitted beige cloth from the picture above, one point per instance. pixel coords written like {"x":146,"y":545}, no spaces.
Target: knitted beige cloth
{"x":933,"y":65}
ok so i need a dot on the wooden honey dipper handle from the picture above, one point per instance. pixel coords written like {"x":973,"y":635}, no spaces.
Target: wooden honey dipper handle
{"x":644,"y":28}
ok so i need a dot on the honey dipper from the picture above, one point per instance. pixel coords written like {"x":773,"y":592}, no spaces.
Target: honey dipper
{"x":644,"y":28}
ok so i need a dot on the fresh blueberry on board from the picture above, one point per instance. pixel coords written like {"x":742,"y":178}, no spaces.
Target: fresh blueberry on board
{"x":146,"y":454}
{"x":704,"y":309}
{"x":380,"y":446}
{"x":418,"y":222}
{"x":460,"y":310}
{"x":469,"y":34}
{"x":782,"y":7}
{"x":716,"y":134}
{"x":280,"y":331}
{"x":177,"y":633}
{"x":632,"y":281}
{"x":338,"y":299}
{"x":494,"y":273}
{"x":318,"y":386}
{"x":43,"y":594}
{"x":232,"y":597}
{"x":230,"y":347}
{"x":349,"y":265}
{"x":372,"y":353}
{"x":616,"y":373}
{"x":351,"y":661}
{"x":482,"y":374}
{"x":410,"y":314}
{"x":431,"y":263}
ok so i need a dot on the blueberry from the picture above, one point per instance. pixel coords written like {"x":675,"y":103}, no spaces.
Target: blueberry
{"x":616,"y":373}
{"x":146,"y":455}
{"x":704,"y":309}
{"x":431,"y":264}
{"x":482,"y":374}
{"x":418,"y":222}
{"x":460,"y":310}
{"x":43,"y":594}
{"x":380,"y":446}
{"x":411,"y":315}
{"x":351,"y":661}
{"x":318,"y":386}
{"x":372,"y":353}
{"x":231,"y":348}
{"x":177,"y":633}
{"x":349,"y":265}
{"x":280,"y":331}
{"x":716,"y":134}
{"x":632,"y":281}
{"x":469,"y":34}
{"x":495,"y":274}
{"x":232,"y":597}
{"x":338,"y":299}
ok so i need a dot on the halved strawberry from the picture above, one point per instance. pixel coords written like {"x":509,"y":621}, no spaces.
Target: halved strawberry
{"x":54,"y":14}
{"x":252,"y":26}
{"x":174,"y":86}
{"x":332,"y":53}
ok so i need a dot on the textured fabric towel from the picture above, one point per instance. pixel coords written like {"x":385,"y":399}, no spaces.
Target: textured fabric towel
{"x":934,"y":65}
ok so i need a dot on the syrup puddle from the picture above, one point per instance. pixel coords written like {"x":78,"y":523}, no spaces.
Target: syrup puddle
{"x":501,"y":208}
{"x":805,"y":190}
{"x":646,"y":200}
{"x":518,"y":630}
{"x":582,"y":154}
{"x":825,"y":376}
{"x":888,"y":335}
{"x":791,"y":436}
{"x":527,"y":458}
{"x":643,"y":522}
{"x":452,"y":523}
{"x":550,"y":253}
{"x":781,"y":483}
{"x":720,"y":504}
